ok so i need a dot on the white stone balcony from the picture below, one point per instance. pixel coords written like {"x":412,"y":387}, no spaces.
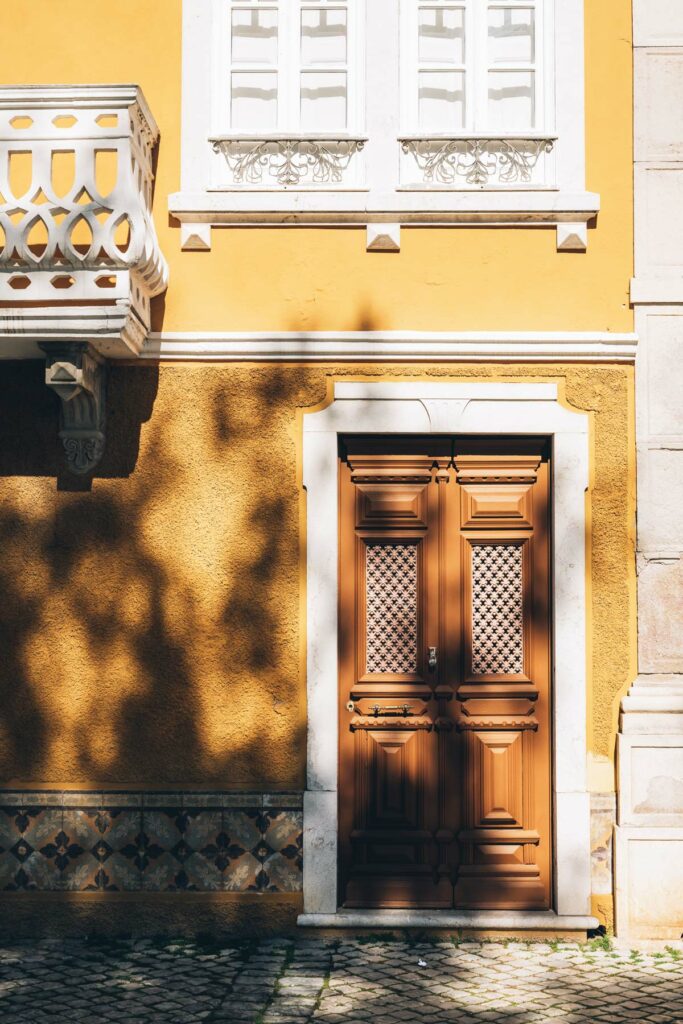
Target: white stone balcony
{"x":79,"y":257}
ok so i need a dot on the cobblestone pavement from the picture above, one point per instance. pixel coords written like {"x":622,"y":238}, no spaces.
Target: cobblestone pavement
{"x":337,"y":982}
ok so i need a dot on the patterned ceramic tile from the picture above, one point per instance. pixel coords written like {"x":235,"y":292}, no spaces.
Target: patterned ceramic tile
{"x":102,"y":835}
{"x":162,"y":800}
{"x":201,"y":826}
{"x":44,"y":798}
{"x":246,"y":800}
{"x":76,"y":798}
{"x":203,"y":800}
{"x":283,"y":828}
{"x":189,"y":839}
{"x":9,"y":835}
{"x":7,"y":827}
{"x":201,"y":874}
{"x":243,"y":827}
{"x":222,"y":851}
{"x":282,"y":863}
{"x":140,"y":843}
{"x":288,"y":800}
{"x":122,"y":799}
{"x":280,"y":874}
{"x":34,"y":846}
{"x":10,"y":799}
{"x":243,"y":874}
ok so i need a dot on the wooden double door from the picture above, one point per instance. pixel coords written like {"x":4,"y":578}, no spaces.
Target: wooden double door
{"x":445,"y":768}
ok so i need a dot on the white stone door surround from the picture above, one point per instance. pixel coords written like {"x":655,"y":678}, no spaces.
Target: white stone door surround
{"x":414,"y":407}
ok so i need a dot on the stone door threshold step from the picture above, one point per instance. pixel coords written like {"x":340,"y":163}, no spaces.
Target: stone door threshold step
{"x":504,"y":920}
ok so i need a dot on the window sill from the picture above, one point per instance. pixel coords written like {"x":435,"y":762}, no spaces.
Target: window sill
{"x":569,"y":212}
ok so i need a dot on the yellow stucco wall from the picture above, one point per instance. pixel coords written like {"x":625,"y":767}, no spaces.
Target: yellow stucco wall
{"x":313,"y":279}
{"x":153,"y":625}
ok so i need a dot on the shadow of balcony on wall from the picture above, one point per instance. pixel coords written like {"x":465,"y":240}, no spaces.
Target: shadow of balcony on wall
{"x":29,"y":442}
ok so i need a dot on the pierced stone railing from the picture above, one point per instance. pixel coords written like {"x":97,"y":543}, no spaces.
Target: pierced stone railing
{"x":79,"y":257}
{"x":479,"y":161}
{"x":283,"y":161}
{"x":66,"y":234}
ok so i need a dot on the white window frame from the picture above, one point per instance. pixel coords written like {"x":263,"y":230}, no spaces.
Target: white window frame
{"x":477,"y":155}
{"x":372,"y":194}
{"x":476,"y":65}
{"x":288,"y":59}
{"x":276,"y":145}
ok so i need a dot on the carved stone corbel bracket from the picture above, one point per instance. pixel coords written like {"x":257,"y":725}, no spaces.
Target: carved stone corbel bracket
{"x":77,"y":374}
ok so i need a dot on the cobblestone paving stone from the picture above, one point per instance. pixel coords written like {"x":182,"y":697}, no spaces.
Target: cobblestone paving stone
{"x":285,"y":981}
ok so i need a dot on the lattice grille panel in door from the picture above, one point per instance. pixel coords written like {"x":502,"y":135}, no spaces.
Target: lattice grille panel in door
{"x":497,"y":610}
{"x":391,"y":608}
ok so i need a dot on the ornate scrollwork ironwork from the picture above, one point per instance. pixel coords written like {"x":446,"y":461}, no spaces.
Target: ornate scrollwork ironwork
{"x":475,"y":161}
{"x":287,"y":162}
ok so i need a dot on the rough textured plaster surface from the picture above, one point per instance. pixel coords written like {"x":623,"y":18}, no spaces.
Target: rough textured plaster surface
{"x":150,"y":627}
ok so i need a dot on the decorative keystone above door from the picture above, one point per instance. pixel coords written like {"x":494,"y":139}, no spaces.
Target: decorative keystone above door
{"x":79,"y":257}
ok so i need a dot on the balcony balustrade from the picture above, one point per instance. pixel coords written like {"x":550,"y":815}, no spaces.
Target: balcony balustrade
{"x":79,"y":257}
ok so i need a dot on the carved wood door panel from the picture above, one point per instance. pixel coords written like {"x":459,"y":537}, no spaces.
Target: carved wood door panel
{"x":444,"y":774}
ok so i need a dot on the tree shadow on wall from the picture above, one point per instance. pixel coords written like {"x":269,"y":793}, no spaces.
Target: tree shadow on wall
{"x":30,"y":421}
{"x":111,"y":669}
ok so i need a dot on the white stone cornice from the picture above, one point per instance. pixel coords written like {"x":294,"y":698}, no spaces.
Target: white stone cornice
{"x":403,"y":346}
{"x":408,"y":206}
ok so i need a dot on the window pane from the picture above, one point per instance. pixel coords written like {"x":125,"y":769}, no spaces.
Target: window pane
{"x":254,"y":101}
{"x":323,"y":37}
{"x":441,"y":100}
{"x":254,"y":37}
{"x":511,"y":36}
{"x":441,"y":34}
{"x":511,"y":100}
{"x":323,"y":101}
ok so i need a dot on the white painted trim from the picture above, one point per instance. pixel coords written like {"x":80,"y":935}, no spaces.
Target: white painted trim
{"x":404,"y":346}
{"x":457,"y":408}
{"x":505,"y":920}
{"x":408,"y":207}
{"x":113,"y":330}
{"x":20,"y":331}
{"x":564,"y":116}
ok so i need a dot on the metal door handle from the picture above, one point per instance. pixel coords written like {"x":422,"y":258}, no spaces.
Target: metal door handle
{"x":433,"y":659}
{"x":404,"y":709}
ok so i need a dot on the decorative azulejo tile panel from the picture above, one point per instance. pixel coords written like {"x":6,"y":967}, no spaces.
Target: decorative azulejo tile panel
{"x":123,"y":842}
{"x":106,"y":839}
{"x":33,"y":848}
